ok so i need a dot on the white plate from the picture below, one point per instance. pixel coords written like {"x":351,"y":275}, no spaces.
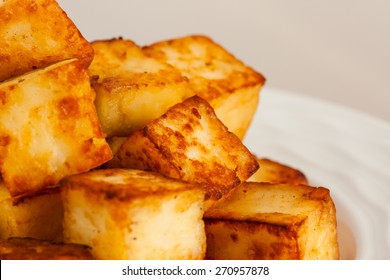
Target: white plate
{"x":338,"y":148}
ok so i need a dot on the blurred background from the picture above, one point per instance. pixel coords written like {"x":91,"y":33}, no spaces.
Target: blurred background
{"x":337,"y":51}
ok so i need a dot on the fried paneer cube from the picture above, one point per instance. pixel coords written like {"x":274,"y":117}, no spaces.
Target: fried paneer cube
{"x":35,"y":34}
{"x":273,"y":221}
{"x":132,"y":89}
{"x":133,"y":214}
{"x":190,"y":143}
{"x":17,"y":248}
{"x":49,"y":128}
{"x":38,"y":215}
{"x":271,"y":171}
{"x":230,"y":86}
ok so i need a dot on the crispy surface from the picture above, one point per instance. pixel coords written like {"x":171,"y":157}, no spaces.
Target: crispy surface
{"x":230,"y":86}
{"x":124,"y":184}
{"x":271,"y":171}
{"x":133,"y":214}
{"x":189,"y":142}
{"x":53,"y":129}
{"x":38,"y":215}
{"x":273,"y":221}
{"x":132,"y":89}
{"x":49,"y":128}
{"x":32,"y":249}
{"x":28,"y":42}
{"x":211,"y":68}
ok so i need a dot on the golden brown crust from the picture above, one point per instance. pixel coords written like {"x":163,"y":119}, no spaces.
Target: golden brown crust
{"x":132,"y":89}
{"x":271,"y":171}
{"x":37,"y":215}
{"x":231,"y":87}
{"x":49,"y":127}
{"x":134,"y":214}
{"x":32,"y":249}
{"x":190,"y":143}
{"x":285,"y":221}
{"x":199,"y":57}
{"x":282,"y":245}
{"x":28,"y":42}
{"x":125,"y":184}
{"x":23,"y":198}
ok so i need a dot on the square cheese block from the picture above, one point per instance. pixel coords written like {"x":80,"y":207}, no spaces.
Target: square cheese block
{"x":131,"y":88}
{"x":133,"y":214}
{"x":189,"y":142}
{"x":273,"y":221}
{"x":37,"y":215}
{"x":49,"y":127}
{"x":229,"y":85}
{"x":35,"y":34}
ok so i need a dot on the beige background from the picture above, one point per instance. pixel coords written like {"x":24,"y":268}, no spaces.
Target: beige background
{"x":333,"y":50}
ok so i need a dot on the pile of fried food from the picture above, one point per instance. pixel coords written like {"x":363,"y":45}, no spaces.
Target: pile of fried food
{"x":110,"y":150}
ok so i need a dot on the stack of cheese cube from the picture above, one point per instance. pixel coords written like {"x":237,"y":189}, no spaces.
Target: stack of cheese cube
{"x":49,"y":128}
{"x":119,"y":151}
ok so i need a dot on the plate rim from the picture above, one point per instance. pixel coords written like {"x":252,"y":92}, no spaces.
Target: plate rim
{"x":292,"y":100}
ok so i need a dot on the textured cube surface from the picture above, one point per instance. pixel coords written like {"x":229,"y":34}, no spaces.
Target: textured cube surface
{"x":267,"y":221}
{"x":49,"y":127}
{"x":132,"y":89}
{"x":32,"y":249}
{"x":271,"y":171}
{"x":38,"y":215}
{"x":35,"y":34}
{"x":132,"y":214}
{"x":230,"y":86}
{"x":189,"y":142}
